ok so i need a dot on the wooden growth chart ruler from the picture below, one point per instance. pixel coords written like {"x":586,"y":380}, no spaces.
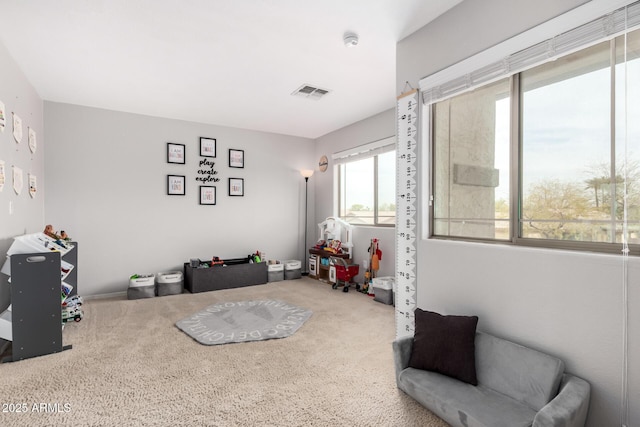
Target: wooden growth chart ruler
{"x":406,"y":212}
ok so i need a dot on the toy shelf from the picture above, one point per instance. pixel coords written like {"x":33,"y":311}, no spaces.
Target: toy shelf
{"x":33,"y":321}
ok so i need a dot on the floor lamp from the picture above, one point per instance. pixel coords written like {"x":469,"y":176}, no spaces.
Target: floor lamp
{"x":306,"y":173}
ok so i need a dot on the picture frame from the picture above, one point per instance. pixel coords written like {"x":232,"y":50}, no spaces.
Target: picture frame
{"x":207,"y":195}
{"x":236,"y":158}
{"x":175,"y":153}
{"x":236,"y":187}
{"x":207,"y":147}
{"x":176,"y":185}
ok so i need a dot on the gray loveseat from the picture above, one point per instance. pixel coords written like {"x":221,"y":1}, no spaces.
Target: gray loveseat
{"x":517,"y":386}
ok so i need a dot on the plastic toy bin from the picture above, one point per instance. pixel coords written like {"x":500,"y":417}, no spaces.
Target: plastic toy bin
{"x":292,"y":269}
{"x":141,"y":286}
{"x":383,"y":289}
{"x":169,"y":283}
{"x":275,"y":271}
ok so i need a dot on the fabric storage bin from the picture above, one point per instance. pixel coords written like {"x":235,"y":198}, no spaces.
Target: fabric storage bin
{"x":292,"y":269}
{"x":275,"y":272}
{"x":169,"y":283}
{"x":383,"y":289}
{"x":142,"y":286}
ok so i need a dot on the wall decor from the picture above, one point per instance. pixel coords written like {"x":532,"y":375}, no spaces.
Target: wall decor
{"x":236,"y":158}
{"x":33,"y":186}
{"x":32,"y":140}
{"x":236,"y":186}
{"x":323,"y":164}
{"x":2,"y":117}
{"x":2,"y":175}
{"x":207,"y":195}
{"x":175,"y":153}
{"x":18,"y":180}
{"x":175,"y":185}
{"x":17,"y":128}
{"x":206,"y":171}
{"x":207,"y":147}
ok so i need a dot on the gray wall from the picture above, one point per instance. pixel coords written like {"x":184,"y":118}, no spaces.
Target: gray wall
{"x":568,"y":304}
{"x":107,"y":173}
{"x":372,"y":129}
{"x":18,"y":96}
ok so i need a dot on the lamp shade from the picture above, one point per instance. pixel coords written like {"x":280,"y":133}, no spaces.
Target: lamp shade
{"x":306,"y":173}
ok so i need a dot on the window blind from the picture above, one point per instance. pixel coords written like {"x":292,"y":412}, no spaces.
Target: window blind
{"x":526,"y":50}
{"x":364,"y":151}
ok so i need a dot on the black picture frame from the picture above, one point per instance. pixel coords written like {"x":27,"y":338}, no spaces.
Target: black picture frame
{"x":236,"y":187}
{"x":176,"y":185}
{"x":207,"y":195}
{"x":236,"y":158}
{"x":207,"y":147}
{"x":176,"y":153}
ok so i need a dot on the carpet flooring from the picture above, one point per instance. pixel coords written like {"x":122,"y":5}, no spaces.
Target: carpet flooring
{"x":130,"y":366}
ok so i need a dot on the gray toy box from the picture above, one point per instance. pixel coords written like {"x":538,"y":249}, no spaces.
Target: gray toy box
{"x":292,"y":269}
{"x":142,"y":286}
{"x":169,"y":283}
{"x":275,"y":271}
{"x":383,"y":289}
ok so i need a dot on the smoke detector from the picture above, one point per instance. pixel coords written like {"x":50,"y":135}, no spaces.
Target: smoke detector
{"x":350,"y":39}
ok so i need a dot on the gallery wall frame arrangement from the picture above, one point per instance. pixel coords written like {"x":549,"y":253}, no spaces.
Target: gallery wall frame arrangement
{"x":236,"y":158}
{"x":176,"y":185}
{"x":207,"y":147}
{"x":236,"y":187}
{"x":207,"y":195}
{"x":175,"y":153}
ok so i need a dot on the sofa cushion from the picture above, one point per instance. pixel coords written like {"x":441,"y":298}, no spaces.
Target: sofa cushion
{"x":461,"y":404}
{"x":445,"y":344}
{"x":526,"y":375}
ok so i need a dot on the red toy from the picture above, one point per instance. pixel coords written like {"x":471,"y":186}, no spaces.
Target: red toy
{"x":344,"y":273}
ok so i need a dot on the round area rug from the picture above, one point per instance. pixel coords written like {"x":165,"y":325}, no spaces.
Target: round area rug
{"x":230,"y":322}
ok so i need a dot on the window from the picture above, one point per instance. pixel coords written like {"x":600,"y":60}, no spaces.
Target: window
{"x":367,"y":184}
{"x":471,"y":158}
{"x":544,"y":157}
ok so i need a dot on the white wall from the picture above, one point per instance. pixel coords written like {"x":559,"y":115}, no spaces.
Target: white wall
{"x":106,"y":175}
{"x":568,"y":304}
{"x":18,"y":96}
{"x":372,"y":129}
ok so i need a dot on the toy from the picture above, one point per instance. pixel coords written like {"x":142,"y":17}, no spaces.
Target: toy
{"x":375,"y":255}
{"x":216,"y":261}
{"x":344,"y":272}
{"x":71,"y":313}
{"x":73,"y":301}
{"x":48,"y":230}
{"x":335,"y":229}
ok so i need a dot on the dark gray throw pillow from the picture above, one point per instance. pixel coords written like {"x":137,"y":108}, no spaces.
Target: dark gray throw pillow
{"x":445,"y":344}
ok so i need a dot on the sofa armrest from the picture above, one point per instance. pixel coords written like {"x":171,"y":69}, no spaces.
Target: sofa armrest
{"x":402,"y":353}
{"x":569,"y":408}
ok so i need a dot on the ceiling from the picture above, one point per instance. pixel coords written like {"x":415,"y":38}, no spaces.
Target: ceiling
{"x":231,"y":63}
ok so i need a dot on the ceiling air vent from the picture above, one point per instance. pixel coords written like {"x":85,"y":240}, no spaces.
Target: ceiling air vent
{"x":311,"y":92}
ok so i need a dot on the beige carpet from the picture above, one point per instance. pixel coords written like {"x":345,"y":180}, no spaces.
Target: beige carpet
{"x":130,"y":366}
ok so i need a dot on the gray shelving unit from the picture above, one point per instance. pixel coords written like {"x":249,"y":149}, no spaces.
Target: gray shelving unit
{"x":36,"y":303}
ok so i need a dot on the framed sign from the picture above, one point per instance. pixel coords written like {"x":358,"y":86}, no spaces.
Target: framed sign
{"x":175,"y":185}
{"x":236,"y":158}
{"x":175,"y":153}
{"x":207,"y":195}
{"x":236,"y":186}
{"x":207,"y":147}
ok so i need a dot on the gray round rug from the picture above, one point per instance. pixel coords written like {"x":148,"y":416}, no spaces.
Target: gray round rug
{"x":229,"y":322}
